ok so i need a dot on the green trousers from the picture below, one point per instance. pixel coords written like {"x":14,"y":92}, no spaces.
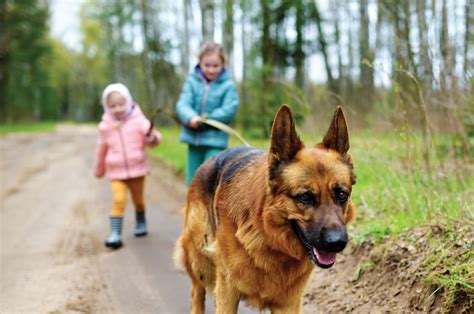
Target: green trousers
{"x":196,"y":156}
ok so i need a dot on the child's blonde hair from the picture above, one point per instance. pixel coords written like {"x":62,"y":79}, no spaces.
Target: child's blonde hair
{"x":210,"y":48}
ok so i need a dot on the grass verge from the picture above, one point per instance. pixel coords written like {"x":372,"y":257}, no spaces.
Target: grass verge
{"x":171,"y":151}
{"x":26,"y":127}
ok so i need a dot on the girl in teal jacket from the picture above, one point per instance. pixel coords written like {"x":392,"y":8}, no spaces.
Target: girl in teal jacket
{"x":208,"y":92}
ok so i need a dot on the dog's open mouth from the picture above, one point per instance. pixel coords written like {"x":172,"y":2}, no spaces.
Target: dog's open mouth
{"x":320,"y":258}
{"x":324,"y":259}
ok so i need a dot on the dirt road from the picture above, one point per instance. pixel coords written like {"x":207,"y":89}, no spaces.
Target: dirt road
{"x":54,"y":220}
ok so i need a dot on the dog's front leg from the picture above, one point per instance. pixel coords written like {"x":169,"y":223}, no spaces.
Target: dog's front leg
{"x":227,"y":297}
{"x":198,"y":297}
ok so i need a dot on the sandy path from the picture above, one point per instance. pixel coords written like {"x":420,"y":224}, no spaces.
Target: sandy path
{"x":54,"y":216}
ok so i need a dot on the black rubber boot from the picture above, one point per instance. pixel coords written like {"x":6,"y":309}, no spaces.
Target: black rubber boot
{"x":140,"y":227}
{"x":114,"y":241}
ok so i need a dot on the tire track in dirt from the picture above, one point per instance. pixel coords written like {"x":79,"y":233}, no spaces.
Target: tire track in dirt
{"x":22,"y":179}
{"x":81,"y":248}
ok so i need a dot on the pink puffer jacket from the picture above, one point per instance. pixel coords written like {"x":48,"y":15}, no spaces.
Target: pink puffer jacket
{"x":121,"y":146}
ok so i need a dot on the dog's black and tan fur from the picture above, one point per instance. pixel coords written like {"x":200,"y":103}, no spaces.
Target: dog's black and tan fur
{"x":256,"y":222}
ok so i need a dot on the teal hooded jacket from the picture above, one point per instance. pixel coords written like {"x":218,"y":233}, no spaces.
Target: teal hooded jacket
{"x":216,"y":100}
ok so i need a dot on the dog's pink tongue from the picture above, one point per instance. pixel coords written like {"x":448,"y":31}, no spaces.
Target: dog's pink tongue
{"x":325,"y":258}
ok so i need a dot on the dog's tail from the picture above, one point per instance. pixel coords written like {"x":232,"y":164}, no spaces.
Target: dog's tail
{"x":178,"y":257}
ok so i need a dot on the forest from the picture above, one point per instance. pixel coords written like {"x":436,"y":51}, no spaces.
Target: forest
{"x":389,"y":63}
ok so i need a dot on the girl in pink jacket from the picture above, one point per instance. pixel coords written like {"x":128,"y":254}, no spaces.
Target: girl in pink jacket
{"x":120,"y":155}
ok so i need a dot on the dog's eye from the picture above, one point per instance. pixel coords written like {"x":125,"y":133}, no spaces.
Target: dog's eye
{"x":307,"y":198}
{"x":342,"y":196}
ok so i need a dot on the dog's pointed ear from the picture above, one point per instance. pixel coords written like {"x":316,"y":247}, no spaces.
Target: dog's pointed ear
{"x":285,"y":142}
{"x":337,"y":136}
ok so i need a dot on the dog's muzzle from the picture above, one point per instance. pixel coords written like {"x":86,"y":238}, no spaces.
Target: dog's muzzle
{"x":331,"y":243}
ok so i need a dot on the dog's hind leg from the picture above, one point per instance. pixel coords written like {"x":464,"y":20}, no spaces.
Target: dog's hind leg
{"x":198,"y":297}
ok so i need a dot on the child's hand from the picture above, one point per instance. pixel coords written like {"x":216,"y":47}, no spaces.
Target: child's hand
{"x":194,"y":122}
{"x":151,"y":139}
{"x":99,"y":174}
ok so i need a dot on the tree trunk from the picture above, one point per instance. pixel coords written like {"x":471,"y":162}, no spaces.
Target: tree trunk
{"x":119,"y":43}
{"x":243,"y":23}
{"x":444,"y":47}
{"x":323,"y":46}
{"x":468,"y":35}
{"x":186,"y":50}
{"x":337,"y":37}
{"x":207,"y":19}
{"x":399,"y":56}
{"x":406,"y":33}
{"x":378,"y":26}
{"x":366,"y":72}
{"x":228,"y":33}
{"x":268,"y":58}
{"x":350,"y":48}
{"x":299,"y":55}
{"x":425,"y":59}
{"x":243,"y":90}
{"x":146,"y":62}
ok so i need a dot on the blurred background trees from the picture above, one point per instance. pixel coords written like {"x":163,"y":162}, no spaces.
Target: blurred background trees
{"x":25,"y":52}
{"x":391,"y":64}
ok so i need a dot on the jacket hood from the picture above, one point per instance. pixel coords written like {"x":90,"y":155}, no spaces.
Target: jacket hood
{"x":121,"y":89}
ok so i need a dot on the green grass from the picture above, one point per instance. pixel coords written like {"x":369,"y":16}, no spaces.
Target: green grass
{"x":450,"y":266}
{"x":171,"y":151}
{"x":26,"y":127}
{"x":400,"y":190}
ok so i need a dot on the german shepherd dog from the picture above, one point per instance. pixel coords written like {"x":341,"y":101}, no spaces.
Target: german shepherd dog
{"x":256,"y":222}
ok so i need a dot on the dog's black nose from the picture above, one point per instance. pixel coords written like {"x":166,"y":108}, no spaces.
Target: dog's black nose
{"x":335,"y":240}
